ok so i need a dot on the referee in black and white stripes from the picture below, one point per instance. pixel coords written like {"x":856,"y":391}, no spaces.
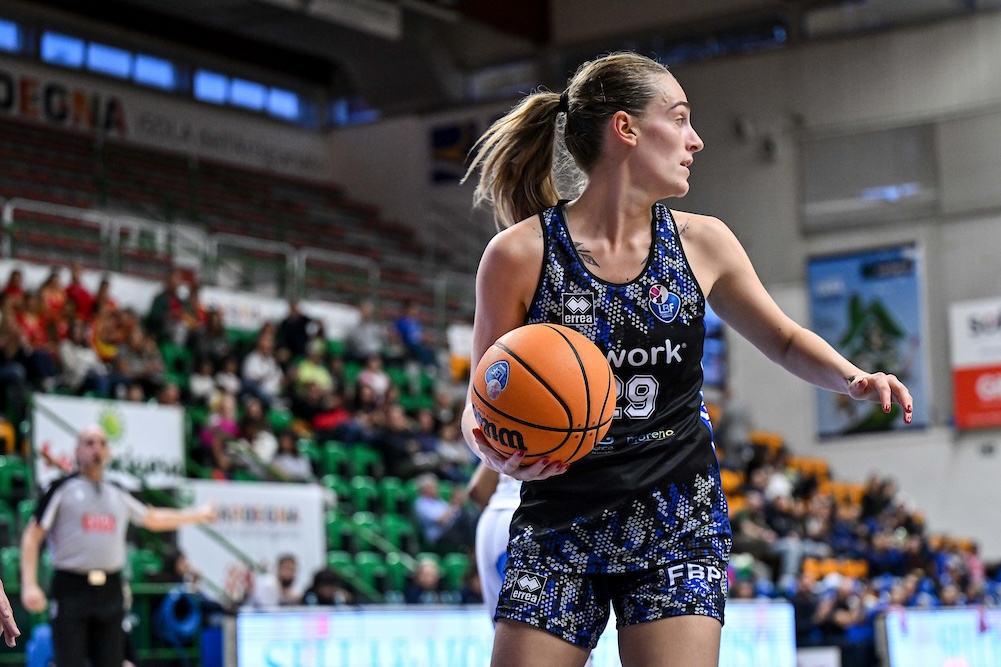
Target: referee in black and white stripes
{"x":85,"y":518}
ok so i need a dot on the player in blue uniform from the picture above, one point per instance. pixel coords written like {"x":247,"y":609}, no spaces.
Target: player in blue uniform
{"x":641,"y":522}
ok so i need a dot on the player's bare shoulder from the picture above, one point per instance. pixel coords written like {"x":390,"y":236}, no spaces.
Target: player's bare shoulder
{"x":520,"y":244}
{"x":709,"y":245}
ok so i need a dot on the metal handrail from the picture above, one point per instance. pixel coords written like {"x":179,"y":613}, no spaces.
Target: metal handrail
{"x":367,"y":263}
{"x":251,"y":243}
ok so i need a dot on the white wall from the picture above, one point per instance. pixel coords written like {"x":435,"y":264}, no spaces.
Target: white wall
{"x":944,"y":74}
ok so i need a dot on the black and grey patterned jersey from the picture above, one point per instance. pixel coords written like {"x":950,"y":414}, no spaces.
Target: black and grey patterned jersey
{"x":648,"y":495}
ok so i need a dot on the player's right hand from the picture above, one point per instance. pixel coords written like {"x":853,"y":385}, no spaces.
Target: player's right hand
{"x":7,"y":624}
{"x":33,"y":598}
{"x":511,"y":466}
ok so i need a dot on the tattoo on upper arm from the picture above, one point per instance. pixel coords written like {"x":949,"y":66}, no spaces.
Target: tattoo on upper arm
{"x":684,"y":228}
{"x":585,"y":255}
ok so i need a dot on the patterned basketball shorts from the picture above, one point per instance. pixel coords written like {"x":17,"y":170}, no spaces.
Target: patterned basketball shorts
{"x":575,"y":607}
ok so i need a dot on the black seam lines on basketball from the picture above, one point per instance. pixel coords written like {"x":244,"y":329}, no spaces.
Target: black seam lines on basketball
{"x":587,"y":392}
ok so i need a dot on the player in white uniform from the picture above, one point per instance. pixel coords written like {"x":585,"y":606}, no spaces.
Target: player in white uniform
{"x":499,"y":496}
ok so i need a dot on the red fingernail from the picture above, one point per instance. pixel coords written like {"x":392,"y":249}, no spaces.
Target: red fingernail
{"x":545,"y":462}
{"x":886,"y":408}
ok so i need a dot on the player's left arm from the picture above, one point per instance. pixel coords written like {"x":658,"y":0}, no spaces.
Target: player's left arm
{"x":7,"y":623}
{"x":736,"y":294}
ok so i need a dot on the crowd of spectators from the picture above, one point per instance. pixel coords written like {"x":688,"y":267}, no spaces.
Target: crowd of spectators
{"x":841,"y":561}
{"x":64,"y":338}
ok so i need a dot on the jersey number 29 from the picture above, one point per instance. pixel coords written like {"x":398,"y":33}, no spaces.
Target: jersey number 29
{"x":640,"y":392}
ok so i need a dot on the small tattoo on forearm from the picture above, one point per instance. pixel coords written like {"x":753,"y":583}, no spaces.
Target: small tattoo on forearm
{"x":585,"y":255}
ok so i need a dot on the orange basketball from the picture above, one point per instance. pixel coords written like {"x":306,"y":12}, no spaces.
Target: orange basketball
{"x":544,"y":389}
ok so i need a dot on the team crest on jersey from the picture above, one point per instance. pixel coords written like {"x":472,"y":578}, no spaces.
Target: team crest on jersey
{"x":496,"y":377}
{"x":665,"y":305}
{"x":578,"y":308}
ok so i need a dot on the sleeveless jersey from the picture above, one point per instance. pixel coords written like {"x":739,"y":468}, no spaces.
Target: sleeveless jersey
{"x":649,"y":493}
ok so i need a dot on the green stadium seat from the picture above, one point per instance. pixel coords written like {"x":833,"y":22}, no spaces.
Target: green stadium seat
{"x":25,"y":509}
{"x":8,"y":524}
{"x":393,"y":498}
{"x":14,"y":477}
{"x":365,"y":460}
{"x":397,"y":572}
{"x":371,"y":569}
{"x":177,"y":362}
{"x":363,"y":525}
{"x":341,"y":562}
{"x":445,"y":489}
{"x":280,"y":419}
{"x":401,"y":532}
{"x":311,"y":451}
{"x":338,"y":528}
{"x":340,"y":486}
{"x":364,"y":493}
{"x":454,"y":567}
{"x":144,"y":563}
{"x":10,"y":566}
{"x":334,"y":458}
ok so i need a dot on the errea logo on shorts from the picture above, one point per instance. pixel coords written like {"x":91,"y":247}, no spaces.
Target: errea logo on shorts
{"x":528,"y":587}
{"x":578,"y":308}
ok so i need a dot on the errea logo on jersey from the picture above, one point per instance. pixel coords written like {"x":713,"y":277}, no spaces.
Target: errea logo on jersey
{"x":578,"y":308}
{"x":667,"y":353}
{"x":528,"y":586}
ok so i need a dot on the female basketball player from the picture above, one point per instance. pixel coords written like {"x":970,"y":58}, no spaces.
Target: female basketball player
{"x":641,"y":522}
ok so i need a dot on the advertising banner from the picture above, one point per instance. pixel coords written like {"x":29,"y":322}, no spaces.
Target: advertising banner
{"x":975,"y":346}
{"x":263,"y":521}
{"x":79,"y":103}
{"x":146,"y":440}
{"x":942,"y":637}
{"x":868,"y":306}
{"x":756,"y":634}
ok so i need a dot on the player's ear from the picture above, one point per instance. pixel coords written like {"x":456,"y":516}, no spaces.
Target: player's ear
{"x":624,"y":128}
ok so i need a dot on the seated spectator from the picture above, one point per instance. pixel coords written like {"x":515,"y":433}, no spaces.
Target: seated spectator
{"x":134,"y":393}
{"x":277,"y":589}
{"x":411,"y":332}
{"x":201,"y":383}
{"x":211,"y":341}
{"x":456,"y":457}
{"x":804,"y":604}
{"x":395,"y":438}
{"x":15,"y":284}
{"x":289,"y":461}
{"x":102,"y":299}
{"x":169,"y":394}
{"x":107,"y":330}
{"x":83,"y":370}
{"x":227,"y":379}
{"x":425,"y":586}
{"x":367,"y":338}
{"x":327,"y":590}
{"x":221,"y":427}
{"x":14,"y":388}
{"x":374,"y":377}
{"x":52,"y":296}
{"x":40,"y":350}
{"x":446,"y":525}
{"x":165,"y":320}
{"x":472,"y":590}
{"x":79,"y":295}
{"x":313,"y":369}
{"x":140,"y":361}
{"x":261,"y":374}
{"x":294,"y":334}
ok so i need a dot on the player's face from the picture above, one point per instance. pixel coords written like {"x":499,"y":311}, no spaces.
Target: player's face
{"x":667,"y":141}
